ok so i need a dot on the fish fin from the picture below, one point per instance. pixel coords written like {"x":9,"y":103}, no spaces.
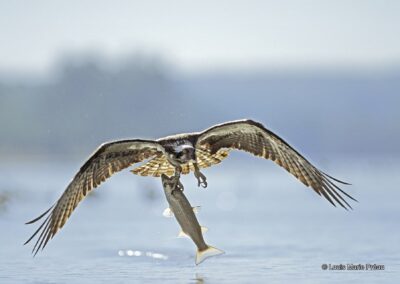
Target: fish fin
{"x":182,"y":234}
{"x":208,"y":252}
{"x":196,"y":209}
{"x":203,"y":229}
{"x":167,"y":213}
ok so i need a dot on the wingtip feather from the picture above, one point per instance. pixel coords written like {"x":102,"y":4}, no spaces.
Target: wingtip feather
{"x":40,"y":217}
{"x":335,"y":179}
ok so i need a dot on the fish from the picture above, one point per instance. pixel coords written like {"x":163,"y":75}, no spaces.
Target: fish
{"x":183,"y":212}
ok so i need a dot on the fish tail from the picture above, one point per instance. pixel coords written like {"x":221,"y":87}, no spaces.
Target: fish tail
{"x":210,"y":251}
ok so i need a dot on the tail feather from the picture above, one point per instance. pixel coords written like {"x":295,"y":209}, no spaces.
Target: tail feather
{"x":208,"y":252}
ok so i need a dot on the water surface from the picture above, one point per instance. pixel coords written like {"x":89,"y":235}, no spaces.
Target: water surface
{"x":271,"y":227}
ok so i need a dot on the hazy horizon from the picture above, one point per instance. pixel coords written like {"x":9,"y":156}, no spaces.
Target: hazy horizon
{"x":203,"y":36}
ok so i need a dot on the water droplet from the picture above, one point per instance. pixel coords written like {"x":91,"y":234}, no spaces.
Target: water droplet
{"x":156,"y":255}
{"x":159,"y":256}
{"x":137,"y":253}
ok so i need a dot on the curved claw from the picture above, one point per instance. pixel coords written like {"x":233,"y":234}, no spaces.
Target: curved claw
{"x":201,"y":179}
{"x":204,"y":184}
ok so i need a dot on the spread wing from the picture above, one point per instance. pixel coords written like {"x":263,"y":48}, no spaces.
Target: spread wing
{"x":253,"y":137}
{"x":107,"y":159}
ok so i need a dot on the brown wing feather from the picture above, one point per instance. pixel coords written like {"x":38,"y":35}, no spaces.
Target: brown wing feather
{"x":207,"y":159}
{"x":160,"y":165}
{"x":106,"y":160}
{"x":253,"y":137}
{"x":155,"y":167}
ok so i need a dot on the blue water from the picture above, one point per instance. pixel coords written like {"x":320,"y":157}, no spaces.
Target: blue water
{"x":272,"y":228}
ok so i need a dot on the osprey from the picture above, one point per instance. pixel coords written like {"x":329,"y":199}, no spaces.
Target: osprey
{"x":182,"y":154}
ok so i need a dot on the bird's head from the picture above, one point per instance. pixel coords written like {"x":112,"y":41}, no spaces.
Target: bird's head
{"x":184,"y":153}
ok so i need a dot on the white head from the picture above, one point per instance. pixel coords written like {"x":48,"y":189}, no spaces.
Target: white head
{"x":184,"y":153}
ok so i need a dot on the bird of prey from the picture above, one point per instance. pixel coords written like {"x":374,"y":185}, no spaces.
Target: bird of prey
{"x":181,"y":154}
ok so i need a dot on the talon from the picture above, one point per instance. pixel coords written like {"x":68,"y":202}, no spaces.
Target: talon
{"x":178,"y":185}
{"x":201,"y":179}
{"x":204,"y":183}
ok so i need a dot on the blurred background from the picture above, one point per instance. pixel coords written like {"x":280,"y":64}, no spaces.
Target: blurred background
{"x":324,"y":75}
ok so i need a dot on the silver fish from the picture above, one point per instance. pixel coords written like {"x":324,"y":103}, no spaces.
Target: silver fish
{"x":184,"y":214}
